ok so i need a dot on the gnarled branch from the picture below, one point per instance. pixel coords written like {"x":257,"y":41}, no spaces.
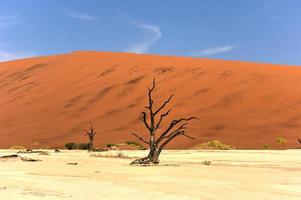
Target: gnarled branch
{"x":163,"y":105}
{"x":172,"y":125}
{"x":153,"y":86}
{"x":182,"y":132}
{"x":188,"y":136}
{"x":140,"y":138}
{"x":91,"y":131}
{"x":150,"y":100}
{"x":161,"y":118}
{"x":181,"y":128}
{"x":143,"y":118}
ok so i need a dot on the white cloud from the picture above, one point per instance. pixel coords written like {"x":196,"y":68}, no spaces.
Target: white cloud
{"x":152,"y":33}
{"x":6,"y":56}
{"x":213,"y":51}
{"x":81,"y":16}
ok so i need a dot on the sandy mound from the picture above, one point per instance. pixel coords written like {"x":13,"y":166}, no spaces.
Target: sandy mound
{"x":47,"y":101}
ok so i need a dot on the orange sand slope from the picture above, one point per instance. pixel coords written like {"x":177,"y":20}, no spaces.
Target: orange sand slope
{"x":47,"y":101}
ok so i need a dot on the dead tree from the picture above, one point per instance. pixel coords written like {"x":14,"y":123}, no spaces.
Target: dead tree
{"x":90,"y":133}
{"x":157,"y":142}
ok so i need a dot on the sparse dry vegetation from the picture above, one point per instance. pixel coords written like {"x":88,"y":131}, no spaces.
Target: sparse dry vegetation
{"x":281,"y":140}
{"x":110,"y":154}
{"x":84,"y":146}
{"x":214,"y":145}
{"x":206,"y":162}
{"x":112,"y":146}
{"x":266,"y":146}
{"x":18,"y":147}
{"x":44,"y":153}
{"x":136,"y":145}
{"x":27,"y":159}
{"x":9,"y":156}
{"x":70,"y":146}
{"x":80,"y":146}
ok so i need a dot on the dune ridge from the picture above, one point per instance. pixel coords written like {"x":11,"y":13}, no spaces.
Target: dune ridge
{"x":47,"y":101}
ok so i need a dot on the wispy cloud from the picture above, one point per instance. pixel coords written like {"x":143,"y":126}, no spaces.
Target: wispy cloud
{"x":152,"y":35}
{"x":6,"y":56}
{"x":214,"y":51}
{"x":81,"y":16}
{"x":7,"y":20}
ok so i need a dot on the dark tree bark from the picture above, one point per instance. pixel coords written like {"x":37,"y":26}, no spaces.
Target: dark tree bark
{"x":157,"y":142}
{"x":90,"y":133}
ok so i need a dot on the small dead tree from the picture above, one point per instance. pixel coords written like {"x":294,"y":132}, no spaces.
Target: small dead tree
{"x":157,"y":142}
{"x":90,"y":133}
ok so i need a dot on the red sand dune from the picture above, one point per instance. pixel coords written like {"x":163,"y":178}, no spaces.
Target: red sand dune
{"x":47,"y":101}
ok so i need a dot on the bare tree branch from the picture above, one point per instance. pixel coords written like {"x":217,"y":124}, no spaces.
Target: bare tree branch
{"x":143,"y":118}
{"x":169,"y":139}
{"x":172,"y":137}
{"x":172,"y":125}
{"x":163,"y":105}
{"x":140,"y":138}
{"x":181,"y":128}
{"x":188,"y":136}
{"x":161,"y":118}
{"x":150,"y":100}
{"x":91,"y":126}
{"x":151,"y":113}
{"x":153,"y":86}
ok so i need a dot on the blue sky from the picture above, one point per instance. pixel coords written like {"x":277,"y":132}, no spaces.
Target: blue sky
{"x":248,"y":30}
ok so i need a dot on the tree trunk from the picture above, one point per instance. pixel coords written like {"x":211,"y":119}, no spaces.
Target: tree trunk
{"x":91,"y":147}
{"x":151,"y":158}
{"x":154,"y":155}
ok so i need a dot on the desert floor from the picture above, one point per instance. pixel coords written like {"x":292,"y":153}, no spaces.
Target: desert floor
{"x":237,"y":174}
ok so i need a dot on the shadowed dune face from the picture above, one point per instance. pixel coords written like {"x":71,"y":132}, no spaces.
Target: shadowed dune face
{"x":49,"y":100}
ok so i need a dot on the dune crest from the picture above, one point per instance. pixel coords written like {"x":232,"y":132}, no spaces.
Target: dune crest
{"x":47,"y":101}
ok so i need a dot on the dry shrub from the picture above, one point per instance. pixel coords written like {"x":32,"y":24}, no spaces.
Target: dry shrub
{"x":45,"y":153}
{"x":206,"y":162}
{"x":26,"y":159}
{"x":281,"y":140}
{"x":19,"y":147}
{"x":136,"y":145}
{"x":112,"y":146}
{"x":109,"y":154}
{"x":213,"y":144}
{"x":266,"y":146}
{"x":34,"y":143}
